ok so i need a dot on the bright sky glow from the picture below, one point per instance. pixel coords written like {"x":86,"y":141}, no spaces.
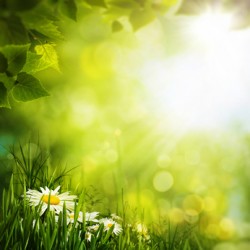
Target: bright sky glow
{"x":208,"y":85}
{"x":212,"y":27}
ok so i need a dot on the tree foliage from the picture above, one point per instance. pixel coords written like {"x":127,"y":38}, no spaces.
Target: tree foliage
{"x":32,"y":29}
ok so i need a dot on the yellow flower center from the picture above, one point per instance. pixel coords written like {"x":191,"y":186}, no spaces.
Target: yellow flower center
{"x":53,"y":199}
{"x":109,"y":225}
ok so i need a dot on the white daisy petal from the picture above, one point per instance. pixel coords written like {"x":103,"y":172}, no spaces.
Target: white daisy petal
{"x":108,"y":223}
{"x":51,"y":197}
{"x":91,"y":216}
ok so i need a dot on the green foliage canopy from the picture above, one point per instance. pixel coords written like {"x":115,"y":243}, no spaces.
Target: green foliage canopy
{"x":32,"y":29}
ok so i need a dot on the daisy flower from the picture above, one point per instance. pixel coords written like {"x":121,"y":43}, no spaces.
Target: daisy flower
{"x":71,"y":217}
{"x":88,"y":236}
{"x":89,"y":217}
{"x":52,"y":198}
{"x":108,"y":223}
{"x":93,"y":227}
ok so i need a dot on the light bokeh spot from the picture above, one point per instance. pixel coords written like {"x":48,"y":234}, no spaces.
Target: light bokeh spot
{"x":163,"y":181}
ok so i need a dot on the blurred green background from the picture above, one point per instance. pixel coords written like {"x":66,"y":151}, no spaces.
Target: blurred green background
{"x":157,"y":116}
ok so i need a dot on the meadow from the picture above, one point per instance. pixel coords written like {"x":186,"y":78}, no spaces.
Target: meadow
{"x":123,"y":125}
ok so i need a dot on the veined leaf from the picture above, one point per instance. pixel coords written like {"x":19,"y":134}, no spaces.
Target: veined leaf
{"x":28,"y":88}
{"x":4,"y":102}
{"x":48,"y":55}
{"x":69,"y":8}
{"x":42,"y":19}
{"x":7,"y":81}
{"x":16,"y":55}
{"x":44,"y":58}
{"x":12,"y":31}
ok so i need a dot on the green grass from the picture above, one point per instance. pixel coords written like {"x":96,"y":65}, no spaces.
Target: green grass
{"x":22,"y":227}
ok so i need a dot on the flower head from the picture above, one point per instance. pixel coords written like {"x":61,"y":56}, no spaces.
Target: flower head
{"x":88,"y":236}
{"x":50,"y":198}
{"x":93,"y":228}
{"x":108,"y":223}
{"x":91,"y":217}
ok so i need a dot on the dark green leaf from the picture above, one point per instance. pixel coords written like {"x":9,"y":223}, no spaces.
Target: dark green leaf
{"x":116,"y":26}
{"x":12,"y":31}
{"x":18,"y":5}
{"x":69,"y":8}
{"x":33,"y":63}
{"x":16,"y":55}
{"x":28,"y":88}
{"x":139,"y":18}
{"x":7,"y":81}
{"x":4,"y":102}
{"x":3,"y":63}
{"x":43,"y":21}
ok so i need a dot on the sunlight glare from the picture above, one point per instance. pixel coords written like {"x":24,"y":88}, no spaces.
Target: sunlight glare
{"x":212,"y":27}
{"x":202,"y":89}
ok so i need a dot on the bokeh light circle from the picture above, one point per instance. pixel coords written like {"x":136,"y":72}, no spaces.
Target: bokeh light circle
{"x":163,"y":181}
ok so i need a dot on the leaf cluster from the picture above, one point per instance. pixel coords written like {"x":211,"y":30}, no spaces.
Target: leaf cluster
{"x":30,"y":32}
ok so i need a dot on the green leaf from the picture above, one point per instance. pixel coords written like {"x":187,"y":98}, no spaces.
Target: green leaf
{"x":43,"y":21}
{"x":139,"y":18}
{"x":48,"y":55}
{"x":28,"y":88}
{"x":69,"y":8}
{"x":16,"y":55}
{"x":18,"y":5}
{"x":33,"y":63}
{"x":12,"y":31}
{"x":7,"y":81}
{"x":44,"y":58}
{"x":3,"y":63}
{"x":4,"y":102}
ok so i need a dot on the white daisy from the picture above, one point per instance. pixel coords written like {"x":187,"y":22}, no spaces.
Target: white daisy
{"x":88,"y":236}
{"x":89,"y":217}
{"x":108,"y":223}
{"x":71,"y":217}
{"x":52,"y":198}
{"x":93,"y":227}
